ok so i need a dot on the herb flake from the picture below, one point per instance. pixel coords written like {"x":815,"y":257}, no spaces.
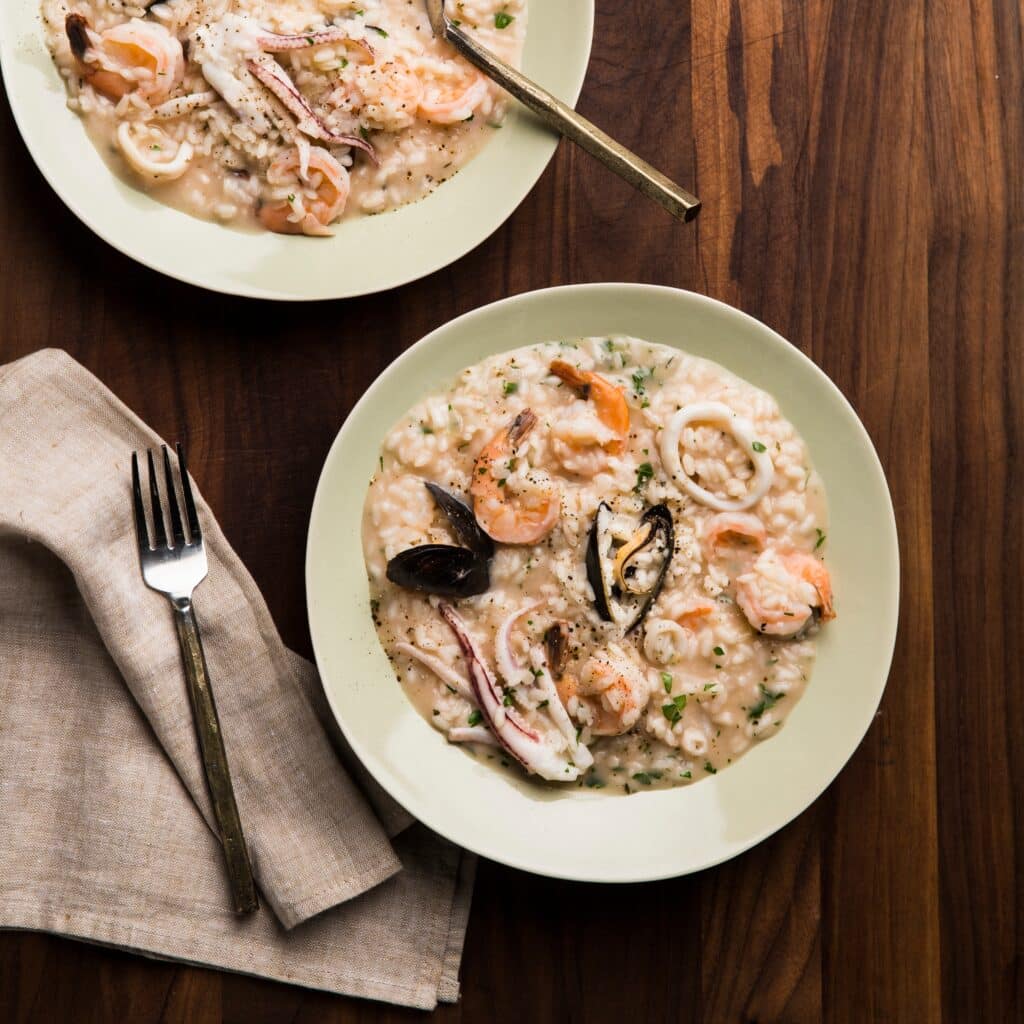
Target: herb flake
{"x":644,"y":472}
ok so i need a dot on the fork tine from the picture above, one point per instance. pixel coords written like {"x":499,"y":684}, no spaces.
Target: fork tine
{"x":160,"y":533}
{"x":186,"y":491}
{"x":172,"y":501}
{"x":140,"y":510}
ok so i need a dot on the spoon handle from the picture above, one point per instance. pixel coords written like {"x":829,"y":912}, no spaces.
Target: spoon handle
{"x":626,"y":164}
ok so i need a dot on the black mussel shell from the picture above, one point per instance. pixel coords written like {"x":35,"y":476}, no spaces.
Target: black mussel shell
{"x":556,"y":644}
{"x":599,"y":569}
{"x":462,"y":520}
{"x":598,"y":575}
{"x":77,"y":29}
{"x":440,"y":569}
{"x":661,"y":529}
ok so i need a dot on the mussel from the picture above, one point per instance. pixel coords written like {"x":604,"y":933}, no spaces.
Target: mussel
{"x":445,"y":569}
{"x":462,"y":521}
{"x":441,"y":569}
{"x":623,"y":590}
{"x":556,"y":646}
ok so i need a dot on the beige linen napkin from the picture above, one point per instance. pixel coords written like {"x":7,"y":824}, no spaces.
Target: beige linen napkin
{"x":104,"y":815}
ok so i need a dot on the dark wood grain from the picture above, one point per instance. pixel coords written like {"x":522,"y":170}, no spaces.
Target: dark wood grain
{"x":976,"y":315}
{"x":862,"y":170}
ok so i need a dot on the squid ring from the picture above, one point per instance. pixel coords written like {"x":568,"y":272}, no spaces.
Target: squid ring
{"x":718,"y":415}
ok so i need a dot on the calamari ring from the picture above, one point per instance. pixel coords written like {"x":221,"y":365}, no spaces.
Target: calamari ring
{"x":742,"y":429}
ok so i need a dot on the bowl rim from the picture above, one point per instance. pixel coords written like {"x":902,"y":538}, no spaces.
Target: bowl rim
{"x":888,"y":554}
{"x":103,"y":224}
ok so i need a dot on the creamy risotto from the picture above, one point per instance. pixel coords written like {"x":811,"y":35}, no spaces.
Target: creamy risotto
{"x":601,"y":559}
{"x":281,"y":114}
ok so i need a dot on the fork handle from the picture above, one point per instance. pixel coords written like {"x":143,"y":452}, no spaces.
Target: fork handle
{"x":215,"y":761}
{"x":558,"y":115}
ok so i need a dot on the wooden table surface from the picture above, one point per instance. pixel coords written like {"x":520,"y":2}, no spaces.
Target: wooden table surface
{"x":860,"y":163}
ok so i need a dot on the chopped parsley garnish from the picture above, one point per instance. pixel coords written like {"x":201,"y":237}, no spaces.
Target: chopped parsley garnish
{"x":593,"y":782}
{"x":507,"y":699}
{"x":666,"y":681}
{"x":674,"y":711}
{"x":503,"y":19}
{"x":821,"y":538}
{"x":644,"y":472}
{"x":379,"y":31}
{"x":768,"y":700}
{"x":543,"y":704}
{"x":510,"y":387}
{"x":758,"y":447}
{"x":640,"y":378}
{"x":646,"y":778}
{"x":709,"y":686}
{"x":291,"y":198}
{"x":710,"y":768}
{"x":426,"y":429}
{"x":475,"y":718}
{"x":719,"y":651}
{"x":364,"y":132}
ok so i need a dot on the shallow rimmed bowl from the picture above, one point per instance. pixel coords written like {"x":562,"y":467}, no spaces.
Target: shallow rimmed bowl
{"x":578,"y":833}
{"x":368,"y":254}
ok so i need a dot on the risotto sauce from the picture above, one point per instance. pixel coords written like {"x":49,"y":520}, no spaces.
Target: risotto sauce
{"x":286,"y":115}
{"x":602,"y":559}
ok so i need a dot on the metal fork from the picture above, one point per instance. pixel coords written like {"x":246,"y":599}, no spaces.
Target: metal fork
{"x":558,"y":115}
{"x":175,"y":568}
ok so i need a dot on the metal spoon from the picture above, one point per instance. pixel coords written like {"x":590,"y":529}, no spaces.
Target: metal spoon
{"x":628,"y":166}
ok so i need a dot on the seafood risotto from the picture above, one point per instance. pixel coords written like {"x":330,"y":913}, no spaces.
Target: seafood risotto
{"x":601,"y":559}
{"x":281,"y":114}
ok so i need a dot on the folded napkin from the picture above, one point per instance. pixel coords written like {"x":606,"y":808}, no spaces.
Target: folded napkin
{"x":105,"y":823}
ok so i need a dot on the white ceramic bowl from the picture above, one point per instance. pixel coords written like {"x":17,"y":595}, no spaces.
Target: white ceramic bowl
{"x":366,"y":255}
{"x":573,"y":832}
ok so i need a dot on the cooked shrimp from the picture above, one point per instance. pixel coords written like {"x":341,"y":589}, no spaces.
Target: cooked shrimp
{"x":510,"y":513}
{"x":610,"y":695}
{"x":783,"y":594}
{"x":452,"y":96}
{"x":608,"y":400}
{"x":137,"y":56}
{"x":318,"y":197}
{"x":690,"y":616}
{"x":732,"y":528}
{"x":386,"y":98}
